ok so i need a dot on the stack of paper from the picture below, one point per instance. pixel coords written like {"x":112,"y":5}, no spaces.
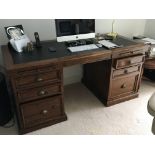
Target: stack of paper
{"x":149,"y":40}
{"x":107,"y":44}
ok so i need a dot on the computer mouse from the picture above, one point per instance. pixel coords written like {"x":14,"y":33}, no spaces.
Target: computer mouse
{"x":99,"y":45}
{"x":51,"y":49}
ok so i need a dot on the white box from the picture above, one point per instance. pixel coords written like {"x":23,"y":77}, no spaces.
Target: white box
{"x":18,"y":44}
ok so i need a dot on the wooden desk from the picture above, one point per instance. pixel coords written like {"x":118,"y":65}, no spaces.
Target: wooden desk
{"x":37,"y":78}
{"x":149,"y":68}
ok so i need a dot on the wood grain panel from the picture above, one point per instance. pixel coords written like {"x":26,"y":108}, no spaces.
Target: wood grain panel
{"x":41,"y":111}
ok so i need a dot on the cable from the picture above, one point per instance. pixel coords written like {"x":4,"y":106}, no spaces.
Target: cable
{"x":10,"y":124}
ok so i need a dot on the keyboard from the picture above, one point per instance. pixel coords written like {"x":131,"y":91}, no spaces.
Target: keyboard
{"x":83,"y":48}
{"x":107,"y":44}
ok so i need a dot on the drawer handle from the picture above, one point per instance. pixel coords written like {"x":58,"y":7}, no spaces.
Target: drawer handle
{"x":123,"y":86}
{"x":132,"y":52}
{"x":39,"y":79}
{"x":129,"y":52}
{"x":44,"y":112}
{"x":130,"y":61}
{"x":42,"y":92}
{"x":125,"y":71}
{"x":53,"y":107}
{"x":139,"y":50}
{"x":126,"y":53}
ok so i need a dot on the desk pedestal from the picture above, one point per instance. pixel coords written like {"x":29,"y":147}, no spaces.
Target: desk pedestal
{"x":114,"y":81}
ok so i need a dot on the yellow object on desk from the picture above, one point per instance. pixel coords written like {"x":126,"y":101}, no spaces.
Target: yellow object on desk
{"x":112,"y":33}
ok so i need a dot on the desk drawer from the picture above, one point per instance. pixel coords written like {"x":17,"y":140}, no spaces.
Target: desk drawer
{"x":126,"y":62}
{"x":39,"y":92}
{"x":124,"y":85}
{"x":130,"y":51}
{"x":35,"y":70}
{"x":35,"y":113}
{"x":125,"y":71}
{"x":38,"y":77}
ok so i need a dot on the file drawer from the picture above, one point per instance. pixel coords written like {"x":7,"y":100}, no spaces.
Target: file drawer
{"x":39,"y":92}
{"x":123,"y":85}
{"x":35,"y":113}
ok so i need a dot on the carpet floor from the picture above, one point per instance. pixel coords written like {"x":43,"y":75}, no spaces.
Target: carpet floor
{"x":88,"y":116}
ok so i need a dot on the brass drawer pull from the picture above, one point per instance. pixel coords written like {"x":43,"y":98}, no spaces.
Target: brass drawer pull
{"x":123,"y":86}
{"x":39,"y":79}
{"x":125,"y":71}
{"x":42,"y":92}
{"x":139,"y":50}
{"x":130,"y":61}
{"x":53,"y":107}
{"x":44,"y":112}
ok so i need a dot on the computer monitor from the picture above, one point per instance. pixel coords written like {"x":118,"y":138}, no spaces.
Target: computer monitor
{"x":74,"y":29}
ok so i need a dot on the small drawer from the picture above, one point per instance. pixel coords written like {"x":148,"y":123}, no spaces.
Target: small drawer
{"x":123,"y":85}
{"x":49,"y":68}
{"x":35,"y":70}
{"x":39,"y":92}
{"x":37,"y":78}
{"x":129,"y":70}
{"x":35,"y":113}
{"x":25,"y":72}
{"x":128,"y":61}
{"x":130,"y":51}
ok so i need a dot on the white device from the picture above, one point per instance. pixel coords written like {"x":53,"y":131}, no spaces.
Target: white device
{"x":74,"y":29}
{"x":75,"y":37}
{"x":83,"y":48}
{"x":107,"y":44}
{"x":18,"y":44}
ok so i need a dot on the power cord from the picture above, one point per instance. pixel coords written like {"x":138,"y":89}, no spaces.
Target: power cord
{"x":10,"y":124}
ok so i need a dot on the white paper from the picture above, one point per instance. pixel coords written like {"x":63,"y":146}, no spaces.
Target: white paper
{"x":107,"y":44}
{"x":149,"y":40}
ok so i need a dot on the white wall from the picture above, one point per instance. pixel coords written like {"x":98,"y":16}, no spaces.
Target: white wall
{"x":150,"y":28}
{"x":46,"y":30}
{"x":126,"y":27}
{"x":45,"y":27}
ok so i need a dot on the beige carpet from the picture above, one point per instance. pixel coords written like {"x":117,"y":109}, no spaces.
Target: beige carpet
{"x":87,"y":115}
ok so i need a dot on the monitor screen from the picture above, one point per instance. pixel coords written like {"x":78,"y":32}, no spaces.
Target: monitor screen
{"x":74,"y":29}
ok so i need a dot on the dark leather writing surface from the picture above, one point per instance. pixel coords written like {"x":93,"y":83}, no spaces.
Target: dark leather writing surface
{"x":123,"y":41}
{"x":43,"y":53}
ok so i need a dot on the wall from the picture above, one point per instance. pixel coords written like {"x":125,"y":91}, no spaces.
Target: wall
{"x":150,"y":28}
{"x":126,"y":27}
{"x":46,"y":30}
{"x":46,"y":27}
